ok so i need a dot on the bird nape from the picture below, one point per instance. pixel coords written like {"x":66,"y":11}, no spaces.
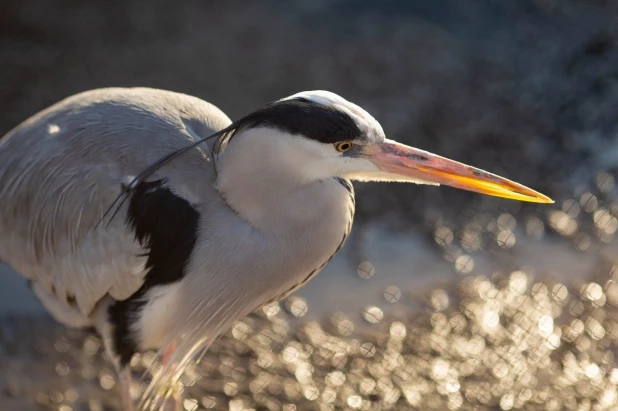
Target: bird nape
{"x":216,"y":218}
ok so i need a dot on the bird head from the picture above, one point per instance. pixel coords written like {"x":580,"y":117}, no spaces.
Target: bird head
{"x":314,"y":135}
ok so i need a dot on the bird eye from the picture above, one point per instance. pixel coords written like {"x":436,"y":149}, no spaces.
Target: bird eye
{"x":343,"y":147}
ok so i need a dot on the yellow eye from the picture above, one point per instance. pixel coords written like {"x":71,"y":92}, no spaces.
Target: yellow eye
{"x":343,"y":147}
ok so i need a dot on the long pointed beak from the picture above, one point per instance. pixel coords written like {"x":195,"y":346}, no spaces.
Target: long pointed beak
{"x":407,"y":163}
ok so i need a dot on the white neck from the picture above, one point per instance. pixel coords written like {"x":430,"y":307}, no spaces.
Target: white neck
{"x":273,"y":181}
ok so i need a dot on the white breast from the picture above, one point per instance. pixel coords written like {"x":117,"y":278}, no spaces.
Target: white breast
{"x":235,"y":268}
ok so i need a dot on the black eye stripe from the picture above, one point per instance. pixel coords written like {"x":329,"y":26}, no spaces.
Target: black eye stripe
{"x":300,"y":116}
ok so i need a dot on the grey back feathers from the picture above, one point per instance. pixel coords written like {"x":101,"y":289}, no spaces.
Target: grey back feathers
{"x":59,"y":171}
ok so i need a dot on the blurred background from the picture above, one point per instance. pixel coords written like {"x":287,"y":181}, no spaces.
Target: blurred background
{"x":441,"y":299}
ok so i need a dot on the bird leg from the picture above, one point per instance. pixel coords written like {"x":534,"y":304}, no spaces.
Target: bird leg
{"x":167,"y":353}
{"x":125,"y":389}
{"x":174,"y":402}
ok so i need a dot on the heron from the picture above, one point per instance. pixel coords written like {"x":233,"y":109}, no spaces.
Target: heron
{"x":153,"y":218}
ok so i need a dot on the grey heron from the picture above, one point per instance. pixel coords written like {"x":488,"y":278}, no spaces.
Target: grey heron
{"x":216,"y":218}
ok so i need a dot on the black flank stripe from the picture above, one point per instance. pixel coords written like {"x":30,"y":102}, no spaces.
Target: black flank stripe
{"x":166,"y":227}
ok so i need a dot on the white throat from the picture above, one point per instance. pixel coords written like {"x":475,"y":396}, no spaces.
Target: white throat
{"x":277,"y":182}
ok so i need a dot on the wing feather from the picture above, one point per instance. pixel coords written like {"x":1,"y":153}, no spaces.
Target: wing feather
{"x":59,"y":171}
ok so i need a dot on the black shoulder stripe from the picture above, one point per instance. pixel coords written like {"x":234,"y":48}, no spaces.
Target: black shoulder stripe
{"x":166,"y":226}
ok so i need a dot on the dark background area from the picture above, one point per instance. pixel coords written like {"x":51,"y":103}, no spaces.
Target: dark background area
{"x":523,"y":88}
